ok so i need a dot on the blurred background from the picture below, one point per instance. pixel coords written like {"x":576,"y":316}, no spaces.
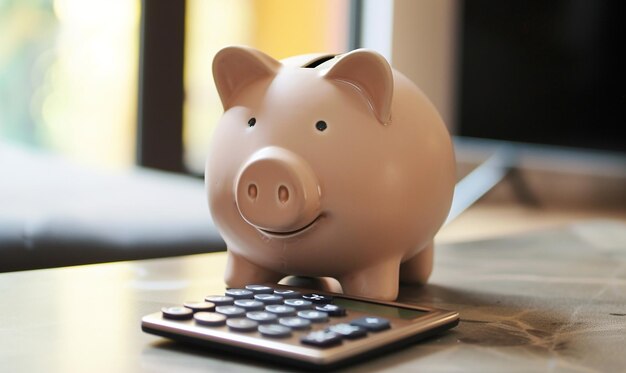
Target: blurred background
{"x":126,"y":85}
{"x":69,"y":69}
{"x":528,"y":71}
{"x":68,"y":77}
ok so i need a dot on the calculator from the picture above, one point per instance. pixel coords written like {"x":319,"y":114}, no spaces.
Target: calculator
{"x":303,"y":328}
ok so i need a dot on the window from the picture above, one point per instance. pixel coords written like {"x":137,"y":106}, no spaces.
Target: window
{"x":69,"y":70}
{"x":280,"y":28}
{"x":68,"y":77}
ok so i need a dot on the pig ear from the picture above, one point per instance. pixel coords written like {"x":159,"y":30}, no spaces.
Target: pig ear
{"x":371,"y":74}
{"x":236,"y":67}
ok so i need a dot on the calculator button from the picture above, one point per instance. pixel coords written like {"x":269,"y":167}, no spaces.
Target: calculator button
{"x":249,"y":304}
{"x":321,"y":338}
{"x":200,"y":306}
{"x":269,"y":298}
{"x":331,"y":309}
{"x":372,"y":323}
{"x":239,"y":293}
{"x":313,"y":315}
{"x":219,"y":300}
{"x":287,"y":294}
{"x":242,"y":325}
{"x":260,"y":289}
{"x":209,"y":318}
{"x":262,"y":317}
{"x":281,"y":310}
{"x":299,"y":304}
{"x":230,"y":311}
{"x":318,"y":298}
{"x":295,"y":323}
{"x":274,"y":331}
{"x":177,"y":313}
{"x":348,"y":331}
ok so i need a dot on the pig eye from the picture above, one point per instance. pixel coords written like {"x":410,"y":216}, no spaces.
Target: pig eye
{"x":252,"y":122}
{"x":321,"y":125}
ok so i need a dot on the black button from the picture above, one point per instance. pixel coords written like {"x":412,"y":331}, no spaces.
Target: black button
{"x":230,"y":311}
{"x":348,"y":331}
{"x":295,"y":323}
{"x":219,"y":300}
{"x":262,"y":317}
{"x":200,"y":306}
{"x":372,"y":323}
{"x":281,"y":310}
{"x":209,"y":318}
{"x":274,"y":331}
{"x":177,"y":313}
{"x":242,"y":325}
{"x":332,"y":310}
{"x":239,"y":293}
{"x":287,"y":294}
{"x":313,"y":315}
{"x":269,"y":298}
{"x":260,"y":289}
{"x":318,"y":298}
{"x":321,"y":338}
{"x":299,"y":304}
{"x":249,"y":304}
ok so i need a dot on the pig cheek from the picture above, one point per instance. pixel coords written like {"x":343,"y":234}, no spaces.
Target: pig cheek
{"x":376,"y":212}
{"x":339,"y":240}
{"x":328,"y":251}
{"x":226,"y":155}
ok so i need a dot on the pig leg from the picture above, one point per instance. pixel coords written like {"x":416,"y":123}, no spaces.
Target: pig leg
{"x":241,"y":272}
{"x":378,"y":282}
{"x":417,"y":269}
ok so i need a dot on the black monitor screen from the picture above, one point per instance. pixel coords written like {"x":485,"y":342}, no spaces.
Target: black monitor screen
{"x":549,"y":72}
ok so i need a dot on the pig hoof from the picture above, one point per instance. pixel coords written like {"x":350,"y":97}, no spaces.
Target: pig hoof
{"x":417,"y":270}
{"x":240,"y":272}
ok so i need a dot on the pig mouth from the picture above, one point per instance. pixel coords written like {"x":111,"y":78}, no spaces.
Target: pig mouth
{"x":291,"y":233}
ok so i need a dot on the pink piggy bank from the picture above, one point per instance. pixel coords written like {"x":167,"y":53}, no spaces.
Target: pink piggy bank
{"x":327,"y":165}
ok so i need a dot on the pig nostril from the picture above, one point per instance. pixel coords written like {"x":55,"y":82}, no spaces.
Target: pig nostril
{"x":252,"y":191}
{"x":283,"y":194}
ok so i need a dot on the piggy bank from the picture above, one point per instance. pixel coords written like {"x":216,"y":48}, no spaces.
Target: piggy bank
{"x":322,"y":165}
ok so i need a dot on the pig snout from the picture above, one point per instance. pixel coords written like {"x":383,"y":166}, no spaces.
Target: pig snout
{"x":277,"y":191}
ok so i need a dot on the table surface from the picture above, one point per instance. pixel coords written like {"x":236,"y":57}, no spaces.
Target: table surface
{"x":546,"y":300}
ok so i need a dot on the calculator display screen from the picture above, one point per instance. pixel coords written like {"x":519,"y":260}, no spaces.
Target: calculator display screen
{"x":378,"y":309}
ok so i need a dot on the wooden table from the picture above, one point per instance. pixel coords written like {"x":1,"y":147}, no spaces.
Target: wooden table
{"x":541,"y":300}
